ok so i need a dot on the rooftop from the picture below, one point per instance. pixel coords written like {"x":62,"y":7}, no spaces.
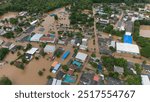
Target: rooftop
{"x":81,"y":56}
{"x":32,"y":51}
{"x":145,"y":80}
{"x":129,"y":48}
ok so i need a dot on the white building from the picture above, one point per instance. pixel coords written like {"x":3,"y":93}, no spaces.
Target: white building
{"x":1,"y":42}
{"x":34,"y":22}
{"x":112,"y":44}
{"x":2,"y":32}
{"x":127,"y":48}
{"x":145,"y":80}
{"x":36,"y":37}
{"x":32,"y":51}
{"x":49,"y":49}
{"x":56,"y":81}
{"x":128,"y":33}
{"x":84,"y":46}
{"x":81,"y":56}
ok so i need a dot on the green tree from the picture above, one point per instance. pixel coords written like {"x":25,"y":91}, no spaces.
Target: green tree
{"x":65,"y":68}
{"x":9,"y":35}
{"x":40,"y":73}
{"x":3,"y":53}
{"x":134,"y":79}
{"x":5,"y":81}
{"x":13,"y":21}
{"x":93,"y":55}
{"x":56,"y":17}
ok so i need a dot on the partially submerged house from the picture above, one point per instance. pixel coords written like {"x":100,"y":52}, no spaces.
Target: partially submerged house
{"x":30,"y":53}
{"x":81,"y":57}
{"x":49,"y":49}
{"x":36,"y":37}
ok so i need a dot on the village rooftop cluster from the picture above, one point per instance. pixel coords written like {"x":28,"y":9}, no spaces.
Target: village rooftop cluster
{"x":51,"y":49}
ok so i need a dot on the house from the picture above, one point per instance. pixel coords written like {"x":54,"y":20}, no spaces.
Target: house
{"x":47,"y":40}
{"x":113,"y":81}
{"x":129,"y":26}
{"x":60,"y":75}
{"x":118,"y":69}
{"x":65,"y":55}
{"x":104,"y":21}
{"x":2,"y":32}
{"x":120,"y":26}
{"x":8,"y":45}
{"x":69,"y":79}
{"x":89,"y":78}
{"x":34,"y":22}
{"x":127,"y":48}
{"x":112,"y":44}
{"x":54,"y":81}
{"x":62,"y":42}
{"x":73,"y":42}
{"x":23,"y":13}
{"x":30,"y":53}
{"x":1,"y":42}
{"x":84,"y":46}
{"x":56,"y":68}
{"x":78,"y":41}
{"x":54,"y":64}
{"x":11,"y":46}
{"x":49,"y":49}
{"x":81,"y":56}
{"x":145,"y":80}
{"x":36,"y":37}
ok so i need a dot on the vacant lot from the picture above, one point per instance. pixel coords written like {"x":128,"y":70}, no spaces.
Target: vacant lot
{"x":145,"y":31}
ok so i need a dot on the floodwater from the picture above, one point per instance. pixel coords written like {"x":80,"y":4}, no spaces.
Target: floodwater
{"x":29,"y":76}
{"x":51,"y":25}
{"x":9,"y":15}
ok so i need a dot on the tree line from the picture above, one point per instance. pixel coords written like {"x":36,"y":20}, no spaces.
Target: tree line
{"x":34,"y":6}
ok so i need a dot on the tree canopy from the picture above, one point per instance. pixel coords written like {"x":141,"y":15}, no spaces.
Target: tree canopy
{"x":5,"y":81}
{"x":3,"y":53}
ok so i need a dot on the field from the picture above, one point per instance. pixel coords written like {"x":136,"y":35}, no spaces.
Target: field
{"x":145,"y":31}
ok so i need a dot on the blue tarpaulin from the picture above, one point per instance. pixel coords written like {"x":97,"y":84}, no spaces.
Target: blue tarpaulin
{"x":100,"y":67}
{"x":127,"y":39}
{"x":65,"y":55}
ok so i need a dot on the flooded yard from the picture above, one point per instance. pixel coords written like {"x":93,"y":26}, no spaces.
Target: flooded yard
{"x":51,"y":25}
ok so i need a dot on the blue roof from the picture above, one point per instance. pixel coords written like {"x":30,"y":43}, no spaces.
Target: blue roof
{"x":69,"y":79}
{"x":65,"y":55}
{"x":52,"y":14}
{"x":57,"y":67}
{"x":127,"y":39}
{"x":77,"y":63}
{"x":100,"y":67}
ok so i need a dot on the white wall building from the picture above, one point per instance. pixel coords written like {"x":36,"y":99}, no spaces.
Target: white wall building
{"x":36,"y":37}
{"x":49,"y":49}
{"x":81,"y":56}
{"x":127,"y":48}
{"x":32,"y":51}
{"x":145,"y":80}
